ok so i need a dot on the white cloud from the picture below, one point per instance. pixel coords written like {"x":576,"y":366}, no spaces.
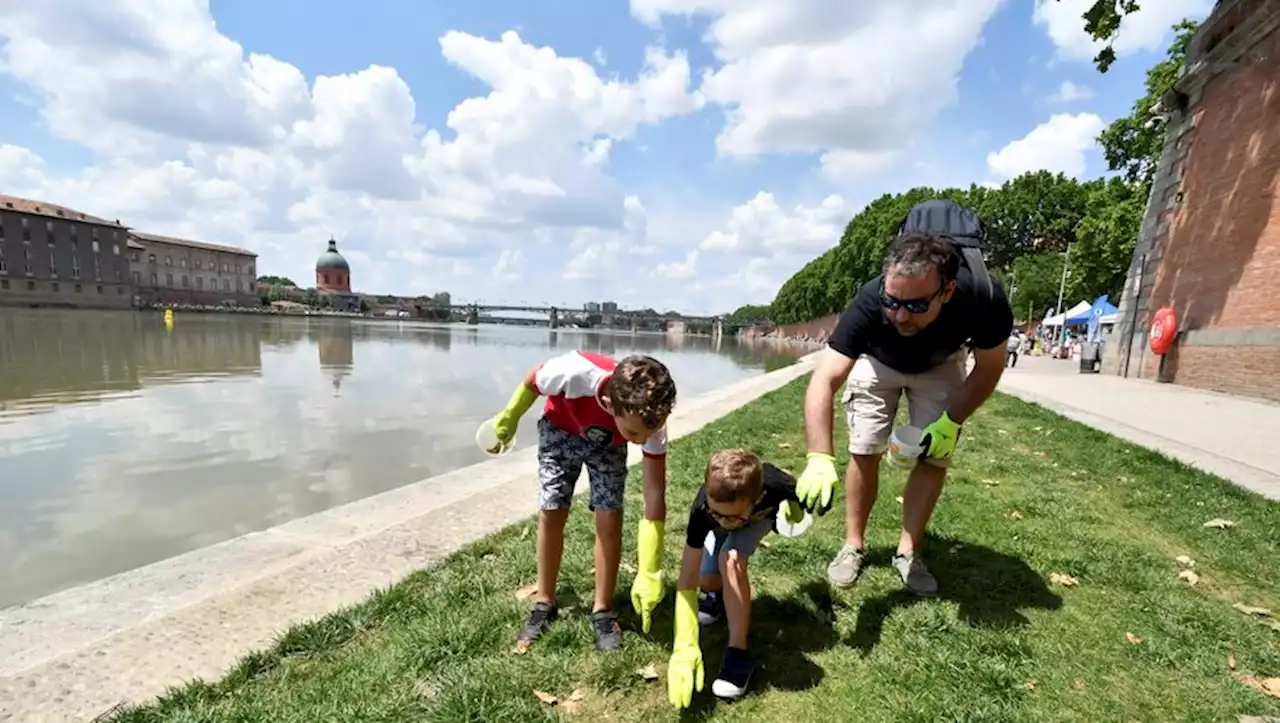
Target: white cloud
{"x":683,"y":270}
{"x":830,"y":76}
{"x":1146,"y":30}
{"x":510,"y":265}
{"x":601,"y":58}
{"x":1058,"y":144}
{"x":1069,"y":92}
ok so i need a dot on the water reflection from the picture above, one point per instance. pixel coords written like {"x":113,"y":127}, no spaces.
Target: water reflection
{"x":123,"y":443}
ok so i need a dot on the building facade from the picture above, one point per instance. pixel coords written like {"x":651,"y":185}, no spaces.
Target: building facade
{"x":168,"y":270}
{"x":1210,"y":242}
{"x":54,"y":256}
{"x":333,"y":279}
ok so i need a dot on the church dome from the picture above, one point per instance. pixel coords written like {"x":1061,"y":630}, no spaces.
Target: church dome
{"x":331,"y":260}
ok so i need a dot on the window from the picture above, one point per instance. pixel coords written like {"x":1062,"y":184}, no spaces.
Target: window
{"x":168,"y":279}
{"x":53,"y":264}
{"x":75,"y":239}
{"x":168,"y":260}
{"x":99,"y":288}
{"x":79,"y":288}
{"x":31,"y":286}
{"x":225,"y":267}
{"x":48,"y":227}
{"x":53,"y":286}
{"x":119,"y":274}
{"x":154,"y":280}
{"x":237,"y":268}
{"x":185,"y":282}
{"x":153,"y":258}
{"x":137,"y":277}
{"x":200,"y":282}
{"x":26,"y":258}
{"x":226,"y":284}
{"x":97,"y":269}
{"x":94,"y":233}
{"x":4,"y":265}
{"x":26,"y":231}
{"x":95,"y":246}
{"x":240,"y":285}
{"x":1,"y":228}
{"x":75,"y":266}
{"x":4,"y":284}
{"x":134,"y":256}
{"x":182,"y":263}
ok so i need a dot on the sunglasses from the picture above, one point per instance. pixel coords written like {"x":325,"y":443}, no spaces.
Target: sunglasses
{"x":730,"y":518}
{"x":914,"y":306}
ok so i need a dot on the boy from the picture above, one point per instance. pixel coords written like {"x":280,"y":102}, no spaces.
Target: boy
{"x":594,"y":407}
{"x":737,"y":505}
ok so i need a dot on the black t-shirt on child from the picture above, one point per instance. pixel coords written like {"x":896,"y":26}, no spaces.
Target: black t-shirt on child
{"x":778,"y":487}
{"x":967,"y":318}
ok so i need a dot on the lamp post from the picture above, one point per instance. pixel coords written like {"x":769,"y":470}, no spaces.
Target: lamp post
{"x":1062,"y":287}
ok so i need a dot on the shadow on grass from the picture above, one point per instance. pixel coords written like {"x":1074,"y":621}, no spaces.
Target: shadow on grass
{"x":990,"y":588}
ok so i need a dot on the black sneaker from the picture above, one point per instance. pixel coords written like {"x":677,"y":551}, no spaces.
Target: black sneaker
{"x":735,"y":674}
{"x":604,"y":623}
{"x":710,"y":607}
{"x":539,"y":620}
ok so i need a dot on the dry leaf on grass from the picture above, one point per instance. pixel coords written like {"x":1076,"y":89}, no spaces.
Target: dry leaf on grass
{"x":1132,"y":638}
{"x":1015,"y":515}
{"x":569,"y":707}
{"x":1219,"y":523}
{"x":522,"y":647}
{"x":1251,"y":610}
{"x":648,"y":672}
{"x":1266,"y":686}
{"x":991,"y":483}
{"x":1003,"y":431}
{"x":527,"y":591}
{"x":1231,"y":660}
{"x":784,"y":445}
{"x":1190,"y":577}
{"x":763,"y":543}
{"x":1063,"y":579}
{"x":524,"y":532}
{"x":426,"y":690}
{"x":546,"y":697}
{"x":1031,"y":685}
{"x":628,"y":568}
{"x":898,"y":500}
{"x":577,"y":695}
{"x":1184,"y":560}
{"x":1077,"y":685}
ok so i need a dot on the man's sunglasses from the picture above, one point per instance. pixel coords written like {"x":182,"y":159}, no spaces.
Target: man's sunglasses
{"x":915,"y":306}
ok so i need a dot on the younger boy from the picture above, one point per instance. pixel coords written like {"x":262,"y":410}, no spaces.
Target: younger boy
{"x":594,"y":407}
{"x":737,"y":505}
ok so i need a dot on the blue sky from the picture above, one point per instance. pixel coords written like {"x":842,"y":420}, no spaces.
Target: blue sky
{"x":684,"y":154}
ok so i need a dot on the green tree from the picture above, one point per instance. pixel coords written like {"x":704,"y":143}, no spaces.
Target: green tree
{"x":748,"y":313}
{"x":1035,"y":281}
{"x":276,"y":280}
{"x":1032,"y":213}
{"x":1102,"y":22}
{"x":1132,"y":144}
{"x":1105,"y":239}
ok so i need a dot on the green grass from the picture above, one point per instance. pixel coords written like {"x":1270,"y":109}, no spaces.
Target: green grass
{"x":999,"y":643}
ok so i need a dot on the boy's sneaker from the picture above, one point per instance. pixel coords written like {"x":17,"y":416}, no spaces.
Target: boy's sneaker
{"x":604,"y":623}
{"x":735,"y":674}
{"x":846,"y":567}
{"x":915,"y":575}
{"x":710,"y":607}
{"x":539,"y":620}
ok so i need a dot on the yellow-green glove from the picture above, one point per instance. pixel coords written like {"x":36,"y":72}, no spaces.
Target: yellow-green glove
{"x":793,"y":511}
{"x":817,"y":482}
{"x":940,"y":437}
{"x":684,"y":671}
{"x":505,"y":423}
{"x":646,"y":590}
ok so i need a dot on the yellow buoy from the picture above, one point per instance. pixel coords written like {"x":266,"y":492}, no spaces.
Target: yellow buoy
{"x":168,"y":318}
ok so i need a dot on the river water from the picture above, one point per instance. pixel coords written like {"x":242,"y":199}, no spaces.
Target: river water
{"x":123,"y":443}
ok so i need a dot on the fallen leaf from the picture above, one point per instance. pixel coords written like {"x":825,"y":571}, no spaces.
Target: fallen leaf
{"x":527,"y":591}
{"x":1031,"y":685}
{"x":1251,"y":610}
{"x":991,"y":483}
{"x":569,"y":706}
{"x":524,"y":532}
{"x":1036,"y":429}
{"x":522,"y":647}
{"x":1003,"y":431}
{"x":764,"y":543}
{"x":1231,"y":660}
{"x":1273,"y":624}
{"x":1063,"y":579}
{"x":1184,"y":560}
{"x":648,"y":672}
{"x":1190,"y":577}
{"x":1219,"y":523}
{"x":426,"y":690}
{"x":784,"y":445}
{"x":628,"y":568}
{"x":1077,"y":684}
{"x":1266,"y":686}
{"x":1015,"y":515}
{"x":898,"y":500}
{"x":577,"y":695}
{"x":489,"y":557}
{"x":546,"y":697}
{"x":1132,"y":638}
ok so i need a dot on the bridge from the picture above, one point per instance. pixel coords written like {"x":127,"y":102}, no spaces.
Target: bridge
{"x":635,"y":320}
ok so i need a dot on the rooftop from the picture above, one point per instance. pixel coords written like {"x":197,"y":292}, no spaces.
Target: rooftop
{"x":173,"y":240}
{"x":52,"y":210}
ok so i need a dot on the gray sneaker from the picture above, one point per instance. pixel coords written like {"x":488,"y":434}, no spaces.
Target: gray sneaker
{"x":915,"y":575}
{"x":846,"y":567}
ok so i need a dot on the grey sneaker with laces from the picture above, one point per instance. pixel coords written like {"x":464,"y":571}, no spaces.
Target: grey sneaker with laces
{"x":845,"y":567}
{"x":915,"y":575}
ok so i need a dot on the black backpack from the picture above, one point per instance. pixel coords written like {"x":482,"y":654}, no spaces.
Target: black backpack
{"x":962,"y":226}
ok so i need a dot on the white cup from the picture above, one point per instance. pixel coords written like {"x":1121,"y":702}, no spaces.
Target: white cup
{"x":904,"y":446}
{"x":487,"y":437}
{"x":786,"y":529}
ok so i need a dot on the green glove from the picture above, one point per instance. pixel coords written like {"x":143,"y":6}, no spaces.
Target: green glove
{"x":940,"y":437}
{"x":505,"y":423}
{"x":684,"y":671}
{"x":646,"y":589}
{"x":817,"y":482}
{"x":793,"y":511}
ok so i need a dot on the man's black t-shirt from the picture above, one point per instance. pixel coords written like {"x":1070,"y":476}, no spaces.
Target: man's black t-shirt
{"x":778,"y":487}
{"x":966,"y":319}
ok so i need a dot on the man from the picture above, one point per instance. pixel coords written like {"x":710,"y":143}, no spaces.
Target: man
{"x":1012,"y":347}
{"x":905,"y":331}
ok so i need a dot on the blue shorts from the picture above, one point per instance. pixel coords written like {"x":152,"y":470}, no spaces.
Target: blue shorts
{"x":743,"y":539}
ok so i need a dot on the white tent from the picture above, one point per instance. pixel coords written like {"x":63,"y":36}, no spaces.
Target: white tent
{"x":1056,"y":319}
{"x":1109,"y":319}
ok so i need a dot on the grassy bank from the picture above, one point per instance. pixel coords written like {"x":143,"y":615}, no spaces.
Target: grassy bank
{"x":1124,"y":638}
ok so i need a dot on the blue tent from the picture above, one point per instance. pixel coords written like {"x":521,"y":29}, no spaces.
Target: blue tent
{"x":1094,"y":317}
{"x":1101,"y":307}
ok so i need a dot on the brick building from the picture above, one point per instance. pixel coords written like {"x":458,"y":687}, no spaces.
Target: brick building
{"x":169,"y":270}
{"x":1210,"y":242}
{"x":54,"y":256}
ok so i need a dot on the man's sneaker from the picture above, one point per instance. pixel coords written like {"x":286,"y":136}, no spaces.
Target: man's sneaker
{"x":710,"y":607}
{"x":735,"y":674}
{"x":915,"y":575}
{"x":846,"y":567}
{"x":608,"y":633}
{"x":539,"y":620}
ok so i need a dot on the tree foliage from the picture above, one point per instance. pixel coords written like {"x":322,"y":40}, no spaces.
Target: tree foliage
{"x":276,"y":281}
{"x":1102,"y":22}
{"x":748,"y":314}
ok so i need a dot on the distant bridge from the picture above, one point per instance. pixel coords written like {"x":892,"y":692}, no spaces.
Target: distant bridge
{"x":556,"y":317}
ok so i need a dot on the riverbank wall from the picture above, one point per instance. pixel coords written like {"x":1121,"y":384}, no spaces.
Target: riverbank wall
{"x":78,"y":653}
{"x":816,"y":331}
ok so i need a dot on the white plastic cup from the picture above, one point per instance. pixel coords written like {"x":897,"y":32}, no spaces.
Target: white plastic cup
{"x":487,"y":438}
{"x":786,"y":529}
{"x":904,"y":446}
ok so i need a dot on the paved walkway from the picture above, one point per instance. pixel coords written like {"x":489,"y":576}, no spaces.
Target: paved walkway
{"x":1232,"y":437}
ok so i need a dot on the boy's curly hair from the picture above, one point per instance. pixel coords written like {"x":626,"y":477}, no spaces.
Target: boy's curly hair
{"x":642,"y":385}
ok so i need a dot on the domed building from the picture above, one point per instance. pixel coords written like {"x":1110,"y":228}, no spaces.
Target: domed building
{"x":333,"y":273}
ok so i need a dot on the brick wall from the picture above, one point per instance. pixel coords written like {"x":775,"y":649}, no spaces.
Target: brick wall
{"x":816,"y":329}
{"x":1210,"y":245}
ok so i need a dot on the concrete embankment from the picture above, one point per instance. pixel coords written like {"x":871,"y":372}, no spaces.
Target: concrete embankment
{"x":73,"y":655}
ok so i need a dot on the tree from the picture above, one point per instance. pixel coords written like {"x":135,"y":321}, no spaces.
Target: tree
{"x":1133,"y":143}
{"x":276,"y":281}
{"x":748,"y":313}
{"x":1102,"y":22}
{"x":1032,"y":213}
{"x":1106,"y":237}
{"x":1035,"y":281}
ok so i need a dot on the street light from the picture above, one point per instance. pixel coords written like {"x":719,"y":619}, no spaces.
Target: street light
{"x":1062,"y":287}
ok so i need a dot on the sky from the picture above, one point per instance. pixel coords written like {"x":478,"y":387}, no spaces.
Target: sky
{"x":674,"y":154}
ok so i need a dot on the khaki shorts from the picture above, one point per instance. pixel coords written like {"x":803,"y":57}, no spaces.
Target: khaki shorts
{"x":871,"y":400}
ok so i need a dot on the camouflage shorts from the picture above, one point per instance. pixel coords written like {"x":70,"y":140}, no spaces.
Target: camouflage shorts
{"x":560,"y":459}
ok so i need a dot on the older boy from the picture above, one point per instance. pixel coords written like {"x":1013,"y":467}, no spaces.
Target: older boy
{"x":594,"y":407}
{"x":734,"y":509}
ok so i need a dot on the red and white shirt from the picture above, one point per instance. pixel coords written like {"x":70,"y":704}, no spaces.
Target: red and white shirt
{"x":573,"y":384}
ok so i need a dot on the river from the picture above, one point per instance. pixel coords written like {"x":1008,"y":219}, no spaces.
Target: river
{"x":123,"y":443}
